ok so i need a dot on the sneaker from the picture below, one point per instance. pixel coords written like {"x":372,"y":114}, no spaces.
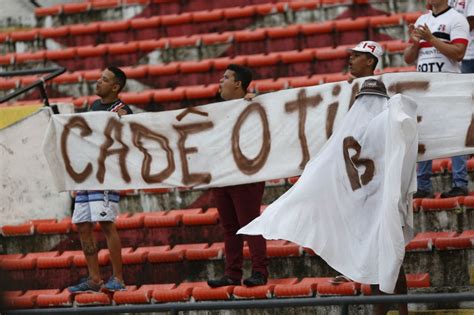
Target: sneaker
{"x":222,"y":282}
{"x":422,"y":194}
{"x":455,"y":192}
{"x":86,"y":286}
{"x":114,"y":284}
{"x":256,"y":279}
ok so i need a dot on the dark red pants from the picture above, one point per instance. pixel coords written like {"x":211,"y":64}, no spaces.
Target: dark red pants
{"x":238,"y":205}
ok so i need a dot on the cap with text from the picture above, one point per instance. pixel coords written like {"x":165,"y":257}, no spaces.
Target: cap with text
{"x":371,"y":47}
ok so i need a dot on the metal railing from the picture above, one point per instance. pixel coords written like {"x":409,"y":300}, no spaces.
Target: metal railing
{"x":40,"y":83}
{"x":175,"y":308}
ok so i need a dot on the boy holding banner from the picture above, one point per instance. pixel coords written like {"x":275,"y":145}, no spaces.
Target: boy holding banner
{"x":240,"y":204}
{"x":101,"y":206}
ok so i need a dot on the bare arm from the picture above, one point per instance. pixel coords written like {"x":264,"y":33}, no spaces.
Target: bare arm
{"x":453,"y":51}
{"x":411,"y":52}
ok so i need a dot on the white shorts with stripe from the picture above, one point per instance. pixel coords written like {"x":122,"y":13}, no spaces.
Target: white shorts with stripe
{"x":95,"y":206}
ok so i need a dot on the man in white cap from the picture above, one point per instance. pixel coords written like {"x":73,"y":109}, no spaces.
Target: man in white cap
{"x":364,"y":59}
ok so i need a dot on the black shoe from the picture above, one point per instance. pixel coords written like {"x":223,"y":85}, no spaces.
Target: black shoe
{"x":422,"y":194}
{"x":455,"y":192}
{"x":222,"y":282}
{"x":256,"y":279}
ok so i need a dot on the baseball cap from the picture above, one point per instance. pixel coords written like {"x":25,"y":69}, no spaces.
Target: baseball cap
{"x":373,"y":87}
{"x":371,"y":47}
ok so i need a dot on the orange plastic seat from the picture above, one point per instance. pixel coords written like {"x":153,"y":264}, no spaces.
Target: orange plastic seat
{"x":91,"y":75}
{"x":30,"y":57}
{"x":263,"y":291}
{"x":17,"y":230}
{"x":8,"y":84}
{"x":54,"y":32}
{"x":428,"y":204}
{"x":470,"y":164}
{"x":209,"y":217}
{"x":335,"y":77}
{"x":303,"y":5}
{"x":141,"y":295}
{"x":346,"y":288}
{"x":222,"y":63}
{"x":207,"y":16}
{"x":195,"y":66}
{"x":260,"y":60}
{"x":142,"y":23}
{"x":61,"y":261}
{"x":137,"y":98}
{"x":68,"y":78}
{"x":469,"y":202}
{"x":201,"y":91}
{"x":215,"y":251}
{"x":24,"y":36}
{"x":295,"y":56}
{"x":165,"y":69}
{"x":131,"y":257}
{"x":396,"y":46}
{"x":306,"y":287}
{"x":317,"y":28}
{"x":384,"y":20}
{"x":83,"y":29}
{"x":105,"y":4}
{"x":184,"y":41}
{"x":421,"y":280}
{"x":88,"y":299}
{"x":206,"y":293}
{"x":179,"y":294}
{"x":63,"y":298}
{"x":424,"y":241}
{"x":239,"y":12}
{"x":67,"y":53}
{"x":114,"y":26}
{"x":331,"y":53}
{"x":48,"y":11}
{"x":28,"y":80}
{"x":154,"y":254}
{"x":166,"y":95}
{"x":278,"y":248}
{"x":461,"y":241}
{"x":411,"y":17}
{"x":176,"y":19}
{"x":132,"y":222}
{"x":161,"y":219}
{"x":216,"y":38}
{"x":286,"y":31}
{"x":27,"y":262}
{"x":7,"y":59}
{"x":28,"y":299}
{"x":249,"y":35}
{"x":302,"y":82}
{"x":74,"y":8}
{"x":360,"y":23}
{"x":270,"y":86}
{"x":91,"y":51}
{"x":153,"y":44}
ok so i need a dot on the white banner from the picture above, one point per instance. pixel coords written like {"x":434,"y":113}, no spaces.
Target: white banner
{"x":237,"y":142}
{"x":27,"y":190}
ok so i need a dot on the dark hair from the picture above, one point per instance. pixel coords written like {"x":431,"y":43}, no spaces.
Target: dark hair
{"x":120,"y":76}
{"x":242,"y":74}
{"x":376,"y":60}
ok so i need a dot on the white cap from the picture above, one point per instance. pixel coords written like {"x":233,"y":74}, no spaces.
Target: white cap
{"x":370,"y":47}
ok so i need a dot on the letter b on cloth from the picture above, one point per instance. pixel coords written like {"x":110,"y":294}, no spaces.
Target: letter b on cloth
{"x":353,"y":162}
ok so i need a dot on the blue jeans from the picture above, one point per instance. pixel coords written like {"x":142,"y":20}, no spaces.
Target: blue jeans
{"x":467,"y":66}
{"x":459,"y":173}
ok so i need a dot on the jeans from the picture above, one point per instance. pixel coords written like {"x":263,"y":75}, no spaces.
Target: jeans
{"x":459,"y":168}
{"x":467,"y":66}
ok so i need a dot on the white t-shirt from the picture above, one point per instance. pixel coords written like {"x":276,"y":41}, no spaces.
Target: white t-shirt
{"x":449,"y":26}
{"x":466,"y":8}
